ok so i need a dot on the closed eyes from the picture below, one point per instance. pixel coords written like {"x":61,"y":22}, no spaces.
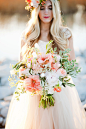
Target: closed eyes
{"x":43,"y":7}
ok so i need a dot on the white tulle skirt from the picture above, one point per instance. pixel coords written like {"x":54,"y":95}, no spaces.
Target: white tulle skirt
{"x":67,"y":113}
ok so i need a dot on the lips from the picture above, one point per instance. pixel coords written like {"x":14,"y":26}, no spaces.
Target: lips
{"x":46,"y":17}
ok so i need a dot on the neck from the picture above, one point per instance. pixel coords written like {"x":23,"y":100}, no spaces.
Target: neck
{"x":45,"y":29}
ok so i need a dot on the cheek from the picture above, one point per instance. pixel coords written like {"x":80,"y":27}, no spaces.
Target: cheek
{"x":40,"y":15}
{"x":51,"y":14}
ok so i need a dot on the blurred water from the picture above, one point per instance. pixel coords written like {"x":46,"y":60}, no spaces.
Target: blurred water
{"x":11,"y":28}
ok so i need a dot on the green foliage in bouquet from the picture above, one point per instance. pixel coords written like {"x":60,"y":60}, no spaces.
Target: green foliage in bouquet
{"x":71,"y":67}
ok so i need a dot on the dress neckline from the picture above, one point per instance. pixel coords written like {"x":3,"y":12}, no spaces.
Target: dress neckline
{"x":44,"y":41}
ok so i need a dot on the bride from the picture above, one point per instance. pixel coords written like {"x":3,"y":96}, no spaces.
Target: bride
{"x":68,"y":112}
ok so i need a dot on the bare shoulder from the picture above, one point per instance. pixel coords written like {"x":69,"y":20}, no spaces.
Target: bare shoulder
{"x":65,"y":32}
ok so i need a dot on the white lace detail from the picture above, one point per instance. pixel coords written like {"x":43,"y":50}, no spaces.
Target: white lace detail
{"x":67,"y":33}
{"x":42,"y":46}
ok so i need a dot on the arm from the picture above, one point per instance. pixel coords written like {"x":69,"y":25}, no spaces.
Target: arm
{"x":72,"y":53}
{"x":22,"y":44}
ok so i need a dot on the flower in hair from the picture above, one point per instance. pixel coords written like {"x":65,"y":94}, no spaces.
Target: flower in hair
{"x":33,"y":4}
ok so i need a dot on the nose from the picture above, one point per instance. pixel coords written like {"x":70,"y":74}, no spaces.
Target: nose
{"x":46,"y":10}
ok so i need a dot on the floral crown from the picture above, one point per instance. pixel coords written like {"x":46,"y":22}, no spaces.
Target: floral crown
{"x":31,"y":4}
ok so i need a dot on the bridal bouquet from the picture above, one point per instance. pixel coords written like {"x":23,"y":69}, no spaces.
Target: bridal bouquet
{"x":43,"y":73}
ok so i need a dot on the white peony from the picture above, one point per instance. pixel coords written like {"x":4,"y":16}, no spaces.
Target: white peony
{"x":52,"y":78}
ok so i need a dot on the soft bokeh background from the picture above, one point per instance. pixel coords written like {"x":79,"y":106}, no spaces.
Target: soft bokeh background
{"x":13,"y":20}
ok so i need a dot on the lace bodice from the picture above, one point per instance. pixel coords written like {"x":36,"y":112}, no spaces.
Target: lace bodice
{"x":42,"y":46}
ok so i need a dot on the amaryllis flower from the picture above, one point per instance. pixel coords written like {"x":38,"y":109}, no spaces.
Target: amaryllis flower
{"x":32,"y":83}
{"x":61,"y":72}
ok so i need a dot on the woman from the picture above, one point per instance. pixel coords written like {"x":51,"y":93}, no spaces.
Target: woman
{"x":68,"y":112}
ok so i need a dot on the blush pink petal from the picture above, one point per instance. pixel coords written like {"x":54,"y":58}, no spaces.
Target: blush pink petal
{"x":55,"y":66}
{"x":43,"y":58}
{"x":62,"y":72}
{"x":32,"y":83}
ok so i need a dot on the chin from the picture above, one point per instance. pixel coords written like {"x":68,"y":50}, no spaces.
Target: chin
{"x":46,"y":21}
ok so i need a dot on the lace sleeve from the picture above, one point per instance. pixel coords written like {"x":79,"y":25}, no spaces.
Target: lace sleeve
{"x":65,"y":32}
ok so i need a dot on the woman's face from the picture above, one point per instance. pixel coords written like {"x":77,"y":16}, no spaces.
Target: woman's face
{"x":45,"y":13}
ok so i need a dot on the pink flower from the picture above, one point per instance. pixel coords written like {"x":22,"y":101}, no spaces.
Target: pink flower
{"x":21,"y":71}
{"x":43,"y":59}
{"x":32,"y":83}
{"x":36,"y":67}
{"x":58,"y":57}
{"x":51,"y":58}
{"x":61,"y":72}
{"x":55,"y":66}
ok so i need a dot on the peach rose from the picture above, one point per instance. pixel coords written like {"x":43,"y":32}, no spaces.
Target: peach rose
{"x":43,"y":59}
{"x":32,"y":83}
{"x":61,"y":72}
{"x":55,"y":66}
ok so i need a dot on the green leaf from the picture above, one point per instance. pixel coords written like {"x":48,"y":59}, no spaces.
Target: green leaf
{"x":55,"y":49}
{"x":48,"y":44}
